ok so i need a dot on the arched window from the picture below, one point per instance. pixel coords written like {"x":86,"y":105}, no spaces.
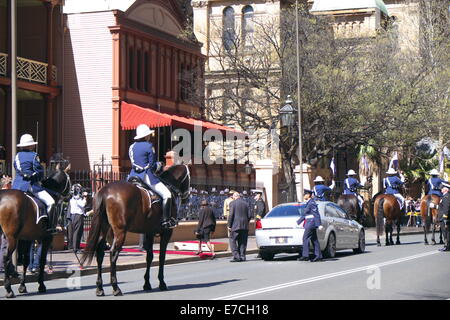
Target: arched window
{"x":228,"y":28}
{"x":247,"y":26}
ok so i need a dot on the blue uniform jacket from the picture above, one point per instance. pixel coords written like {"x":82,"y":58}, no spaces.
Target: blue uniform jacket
{"x":29,"y":172}
{"x":351,"y":186}
{"x":311,"y":215}
{"x":434,"y":186}
{"x":392,"y":185}
{"x":143,"y":161}
{"x":319,"y":191}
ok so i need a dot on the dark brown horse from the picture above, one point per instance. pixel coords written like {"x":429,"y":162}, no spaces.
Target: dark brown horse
{"x":349,"y":203}
{"x":387,"y":207}
{"x":121,"y":207}
{"x":18,"y":216}
{"x":429,"y":213}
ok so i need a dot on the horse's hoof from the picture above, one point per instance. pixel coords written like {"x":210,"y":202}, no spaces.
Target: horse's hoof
{"x":163,"y":287}
{"x":23,"y":289}
{"x":378,"y":244}
{"x":147,"y":287}
{"x":398,"y":242}
{"x":100,"y":293}
{"x":42,"y":289}
{"x":117,"y":293}
{"x":10,"y":295}
{"x":441,"y":242}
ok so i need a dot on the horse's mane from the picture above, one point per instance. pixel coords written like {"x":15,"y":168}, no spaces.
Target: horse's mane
{"x":168,"y":178}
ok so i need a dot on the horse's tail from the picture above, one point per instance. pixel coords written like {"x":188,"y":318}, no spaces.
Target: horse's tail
{"x":96,"y":227}
{"x":380,"y":217}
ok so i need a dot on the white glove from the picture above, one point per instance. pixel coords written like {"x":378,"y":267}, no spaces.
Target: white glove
{"x":320,"y":228}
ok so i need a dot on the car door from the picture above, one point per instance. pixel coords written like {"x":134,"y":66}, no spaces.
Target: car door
{"x":350,"y":236}
{"x":337,"y":222}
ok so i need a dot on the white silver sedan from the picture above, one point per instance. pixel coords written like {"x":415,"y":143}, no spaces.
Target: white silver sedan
{"x":278,"y":231}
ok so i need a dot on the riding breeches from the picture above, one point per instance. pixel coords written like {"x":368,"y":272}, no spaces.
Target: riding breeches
{"x":47,"y":199}
{"x":400,"y":199}
{"x":360,"y":201}
{"x":159,"y":188}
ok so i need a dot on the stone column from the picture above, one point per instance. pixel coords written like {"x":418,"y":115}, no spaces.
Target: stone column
{"x":307,"y":173}
{"x":267,"y":179}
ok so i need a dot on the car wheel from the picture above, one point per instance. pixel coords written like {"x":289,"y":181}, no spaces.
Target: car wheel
{"x":330,"y":250}
{"x":361,"y":243}
{"x":266,"y":256}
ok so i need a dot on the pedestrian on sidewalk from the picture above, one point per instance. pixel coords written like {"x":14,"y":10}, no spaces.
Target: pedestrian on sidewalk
{"x":35,"y":256}
{"x":444,"y":215}
{"x":259,"y":208}
{"x":206,"y":227}
{"x":77,"y":206}
{"x":238,"y":223}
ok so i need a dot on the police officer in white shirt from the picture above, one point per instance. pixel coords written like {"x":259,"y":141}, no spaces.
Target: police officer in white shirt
{"x":77,"y":212}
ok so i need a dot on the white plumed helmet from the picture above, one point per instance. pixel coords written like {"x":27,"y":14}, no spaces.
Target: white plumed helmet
{"x":142,"y":131}
{"x":391,"y":171}
{"x":434,"y":172}
{"x":319,"y":179}
{"x":26,"y":140}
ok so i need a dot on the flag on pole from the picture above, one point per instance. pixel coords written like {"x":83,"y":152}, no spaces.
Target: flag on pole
{"x":394,"y":161}
{"x":365,"y":165}
{"x":333,"y":166}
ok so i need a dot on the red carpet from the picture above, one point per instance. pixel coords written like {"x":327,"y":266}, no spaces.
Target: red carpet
{"x":186,"y":253}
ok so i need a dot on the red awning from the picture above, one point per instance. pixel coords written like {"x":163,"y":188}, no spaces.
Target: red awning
{"x":133,"y":115}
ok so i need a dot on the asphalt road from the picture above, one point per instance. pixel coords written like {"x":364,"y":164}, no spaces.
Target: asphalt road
{"x":408,"y":271}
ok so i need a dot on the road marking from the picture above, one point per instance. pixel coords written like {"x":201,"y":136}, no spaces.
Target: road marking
{"x":323,"y":277}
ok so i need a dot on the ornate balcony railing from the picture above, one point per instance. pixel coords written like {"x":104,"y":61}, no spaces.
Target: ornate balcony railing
{"x":3,"y":58}
{"x":27,"y":69}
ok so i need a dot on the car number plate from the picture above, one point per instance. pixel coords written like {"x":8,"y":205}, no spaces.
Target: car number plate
{"x":280,"y":240}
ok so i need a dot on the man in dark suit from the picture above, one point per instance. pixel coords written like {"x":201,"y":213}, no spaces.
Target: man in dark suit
{"x":238,"y":222}
{"x":311,"y":218}
{"x":444,"y":212}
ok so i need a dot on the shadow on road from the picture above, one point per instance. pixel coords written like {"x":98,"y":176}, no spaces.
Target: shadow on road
{"x":185,"y":286}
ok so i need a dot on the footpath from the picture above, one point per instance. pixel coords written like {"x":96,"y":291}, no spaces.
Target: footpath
{"x":63,"y":264}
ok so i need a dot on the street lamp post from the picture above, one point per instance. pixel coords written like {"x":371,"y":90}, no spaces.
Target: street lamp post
{"x":287,"y":123}
{"x":300,"y":152}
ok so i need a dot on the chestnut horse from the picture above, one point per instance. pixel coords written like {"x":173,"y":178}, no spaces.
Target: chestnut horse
{"x":121,"y":207}
{"x":18,"y":223}
{"x":429,"y":213}
{"x":387,"y":207}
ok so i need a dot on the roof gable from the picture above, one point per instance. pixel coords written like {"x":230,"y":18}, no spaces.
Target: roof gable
{"x":333,"y":5}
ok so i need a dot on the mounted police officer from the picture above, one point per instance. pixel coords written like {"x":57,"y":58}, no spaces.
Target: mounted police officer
{"x":392,"y":185}
{"x":444,"y":213}
{"x":351,"y":185}
{"x":320,"y":188}
{"x":144,"y":166}
{"x":311,"y":216}
{"x":434,"y":183}
{"x":29,"y":174}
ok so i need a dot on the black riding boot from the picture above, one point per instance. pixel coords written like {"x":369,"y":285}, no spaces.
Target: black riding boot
{"x":167,"y":222}
{"x":52,"y":218}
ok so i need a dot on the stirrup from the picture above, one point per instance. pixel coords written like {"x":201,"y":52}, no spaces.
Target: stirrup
{"x":169,"y":224}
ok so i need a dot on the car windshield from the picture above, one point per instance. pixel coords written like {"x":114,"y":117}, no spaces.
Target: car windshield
{"x":286,"y":211}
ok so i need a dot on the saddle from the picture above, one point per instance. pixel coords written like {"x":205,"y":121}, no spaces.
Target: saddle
{"x":41,"y":211}
{"x":153,"y":196}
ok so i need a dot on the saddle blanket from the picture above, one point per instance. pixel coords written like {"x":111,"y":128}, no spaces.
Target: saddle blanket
{"x":41,"y":209}
{"x":153,"y":198}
